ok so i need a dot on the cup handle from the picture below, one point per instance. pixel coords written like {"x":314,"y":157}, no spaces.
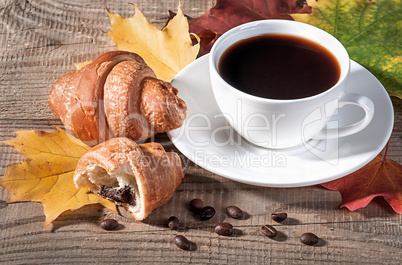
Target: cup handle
{"x":355,"y":99}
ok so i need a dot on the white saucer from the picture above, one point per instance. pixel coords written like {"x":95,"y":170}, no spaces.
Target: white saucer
{"x":208,"y":140}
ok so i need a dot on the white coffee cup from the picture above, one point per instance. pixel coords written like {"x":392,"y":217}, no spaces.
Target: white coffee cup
{"x":276,"y":123}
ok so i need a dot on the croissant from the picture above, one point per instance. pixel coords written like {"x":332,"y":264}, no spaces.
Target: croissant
{"x":139,"y":177}
{"x":117,"y":95}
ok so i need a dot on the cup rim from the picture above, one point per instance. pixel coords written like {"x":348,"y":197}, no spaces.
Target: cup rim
{"x":242,"y":94}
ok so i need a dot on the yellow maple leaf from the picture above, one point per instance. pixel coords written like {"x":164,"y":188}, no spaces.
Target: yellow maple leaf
{"x":46,"y":175}
{"x":166,"y":51}
{"x":78,"y":66}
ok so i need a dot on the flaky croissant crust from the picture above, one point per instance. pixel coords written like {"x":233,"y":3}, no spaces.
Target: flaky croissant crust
{"x":117,"y":95}
{"x":151,"y":173}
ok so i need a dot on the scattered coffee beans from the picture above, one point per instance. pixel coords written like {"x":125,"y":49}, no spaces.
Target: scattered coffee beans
{"x":224,"y":229}
{"x":234,"y":212}
{"x":207,"y":213}
{"x":196,"y":205}
{"x":269,"y":231}
{"x":181,"y":242}
{"x":173,"y":223}
{"x":279,"y":217}
{"x":109,"y":224}
{"x":309,"y":239}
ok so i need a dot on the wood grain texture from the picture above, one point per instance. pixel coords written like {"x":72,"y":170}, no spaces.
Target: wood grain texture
{"x":39,"y":42}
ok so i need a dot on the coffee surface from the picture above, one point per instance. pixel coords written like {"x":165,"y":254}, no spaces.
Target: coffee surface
{"x":279,"y":67}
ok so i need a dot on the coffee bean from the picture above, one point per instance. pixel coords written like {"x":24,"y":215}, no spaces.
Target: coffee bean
{"x":196,"y":205}
{"x":269,"y":231}
{"x":109,"y":224}
{"x":279,"y":217}
{"x":207,"y":213}
{"x":309,"y":239}
{"x":234,"y":212}
{"x":173,"y":223}
{"x":181,"y":242}
{"x":224,"y":229}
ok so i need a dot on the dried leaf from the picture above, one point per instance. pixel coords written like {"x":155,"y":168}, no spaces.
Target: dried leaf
{"x":78,"y":66}
{"x":381,"y":177}
{"x":46,"y":175}
{"x":370,"y":31}
{"x":166,"y":52}
{"x":227,"y":14}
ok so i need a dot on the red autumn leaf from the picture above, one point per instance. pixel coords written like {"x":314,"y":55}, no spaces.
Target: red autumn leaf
{"x":380,"y":177}
{"x":227,"y":14}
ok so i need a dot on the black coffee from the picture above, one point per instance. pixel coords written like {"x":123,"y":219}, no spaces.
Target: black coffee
{"x":279,"y":67}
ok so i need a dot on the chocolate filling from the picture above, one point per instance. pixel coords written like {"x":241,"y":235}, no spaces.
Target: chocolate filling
{"x":123,"y":195}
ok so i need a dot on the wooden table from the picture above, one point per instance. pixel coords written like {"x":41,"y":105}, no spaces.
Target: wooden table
{"x":39,"y":42}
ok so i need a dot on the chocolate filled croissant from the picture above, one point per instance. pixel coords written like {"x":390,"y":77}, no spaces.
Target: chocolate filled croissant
{"x":139,"y":177}
{"x":117,"y":95}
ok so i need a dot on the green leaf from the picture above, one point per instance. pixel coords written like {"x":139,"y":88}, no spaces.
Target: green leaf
{"x":371,"y":31}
